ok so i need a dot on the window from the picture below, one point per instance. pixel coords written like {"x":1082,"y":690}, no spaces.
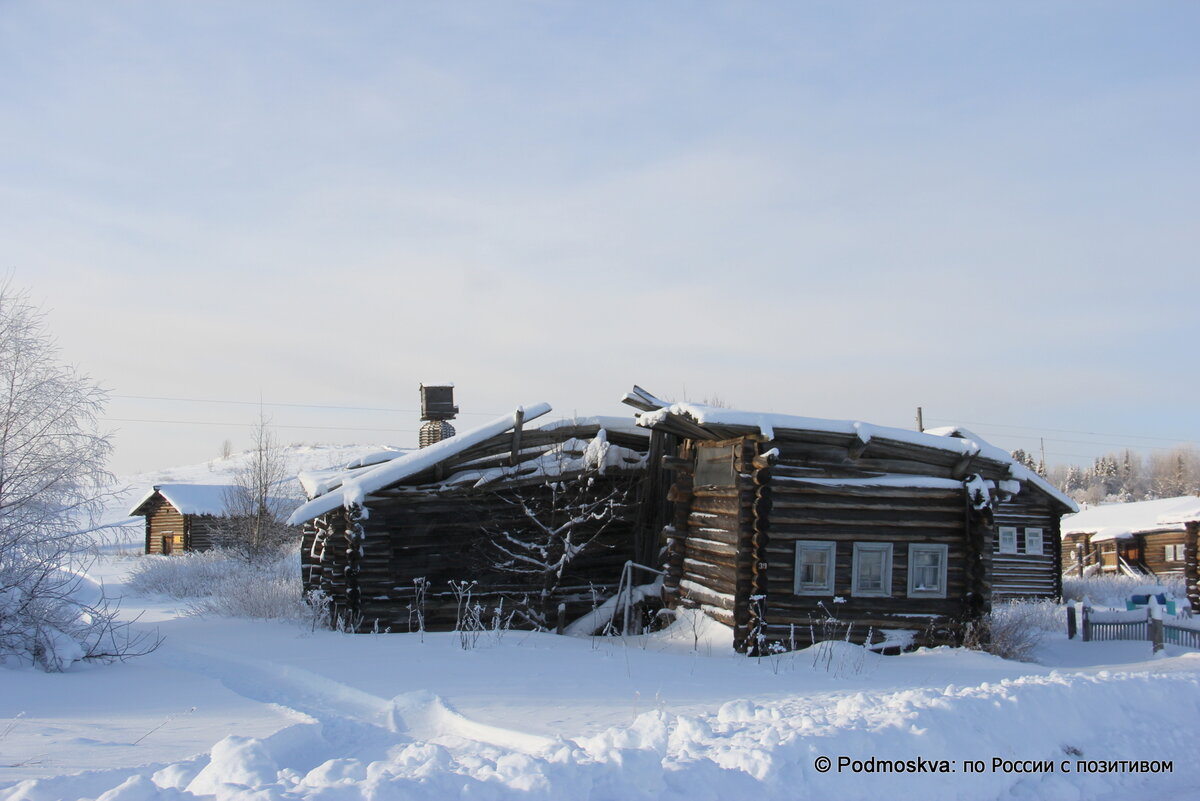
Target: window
{"x":1008,"y":539}
{"x":927,"y":571}
{"x":1175,"y":553}
{"x":815,"y":563}
{"x":1033,"y":541}
{"x":714,"y":467}
{"x":872,"y":573}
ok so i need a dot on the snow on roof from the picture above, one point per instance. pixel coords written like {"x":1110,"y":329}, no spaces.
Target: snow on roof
{"x":359,"y":484}
{"x":319,"y":482}
{"x":1123,"y":520}
{"x":953,"y":439}
{"x":190,"y":499}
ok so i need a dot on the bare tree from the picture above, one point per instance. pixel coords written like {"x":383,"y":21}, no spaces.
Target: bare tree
{"x":556,"y":523}
{"x":52,"y":482}
{"x":255,"y":510}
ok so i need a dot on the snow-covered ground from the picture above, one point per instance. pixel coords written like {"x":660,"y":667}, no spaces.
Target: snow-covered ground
{"x":241,"y":709}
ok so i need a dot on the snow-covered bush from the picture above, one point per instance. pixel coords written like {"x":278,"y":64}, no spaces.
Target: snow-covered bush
{"x":218,"y":582}
{"x":52,"y":481}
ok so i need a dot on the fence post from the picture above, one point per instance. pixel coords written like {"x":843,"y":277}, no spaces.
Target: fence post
{"x":1086,"y":625}
{"x":1071,"y":621}
{"x":1156,"y":624}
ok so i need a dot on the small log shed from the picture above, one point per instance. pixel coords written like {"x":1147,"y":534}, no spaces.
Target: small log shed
{"x":182,"y":517}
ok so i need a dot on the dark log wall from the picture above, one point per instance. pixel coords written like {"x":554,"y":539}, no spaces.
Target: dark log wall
{"x":1154,"y":552}
{"x":1024,"y":574}
{"x":849,"y":515}
{"x":1070,"y":550}
{"x":203,"y":531}
{"x":441,"y":538}
{"x":164,"y":520}
{"x":712,"y":562}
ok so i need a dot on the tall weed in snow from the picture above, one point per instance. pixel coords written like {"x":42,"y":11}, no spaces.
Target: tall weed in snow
{"x":220,"y":583}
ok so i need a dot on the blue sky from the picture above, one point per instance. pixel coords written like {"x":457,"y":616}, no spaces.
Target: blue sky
{"x":834,"y":209}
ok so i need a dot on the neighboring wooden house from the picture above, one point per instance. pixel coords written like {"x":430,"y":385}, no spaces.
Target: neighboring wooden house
{"x":781,"y":524}
{"x":398,"y":544}
{"x":1026,"y":562}
{"x":182,"y":517}
{"x":1138,"y":538}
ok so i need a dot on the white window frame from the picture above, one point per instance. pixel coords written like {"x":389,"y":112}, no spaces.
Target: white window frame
{"x":1010,"y":531}
{"x":1041,"y":541}
{"x":944,"y":552}
{"x":829,"y":548}
{"x":1175,"y":553}
{"x":884,"y":548}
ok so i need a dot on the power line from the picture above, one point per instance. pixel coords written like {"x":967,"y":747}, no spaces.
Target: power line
{"x":269,"y":425}
{"x":1069,"y":431}
{"x":285,"y":405}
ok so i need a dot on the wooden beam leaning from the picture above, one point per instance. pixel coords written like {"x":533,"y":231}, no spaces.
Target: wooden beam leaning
{"x":518,"y":426}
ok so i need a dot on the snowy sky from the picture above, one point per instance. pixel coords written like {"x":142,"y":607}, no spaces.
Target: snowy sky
{"x":830,"y":209}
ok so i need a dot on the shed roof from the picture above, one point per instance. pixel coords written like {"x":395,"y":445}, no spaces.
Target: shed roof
{"x":189,"y":499}
{"x":1111,"y":521}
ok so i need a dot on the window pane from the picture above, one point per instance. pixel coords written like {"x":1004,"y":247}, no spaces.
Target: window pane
{"x":870,"y":571}
{"x":927,"y":568}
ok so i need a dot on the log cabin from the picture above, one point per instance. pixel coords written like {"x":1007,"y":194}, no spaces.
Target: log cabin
{"x":786,"y":527}
{"x":1138,"y":538}
{"x":515,"y":523}
{"x":182,"y":517}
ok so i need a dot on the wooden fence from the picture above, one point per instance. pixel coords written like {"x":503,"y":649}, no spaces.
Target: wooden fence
{"x":1137,"y":625}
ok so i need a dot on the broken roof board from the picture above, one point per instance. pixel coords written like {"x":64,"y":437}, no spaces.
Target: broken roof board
{"x":366,"y":481}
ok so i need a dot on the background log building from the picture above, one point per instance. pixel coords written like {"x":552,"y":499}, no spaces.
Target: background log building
{"x":781,"y":524}
{"x":182,"y":517}
{"x":1138,"y":538}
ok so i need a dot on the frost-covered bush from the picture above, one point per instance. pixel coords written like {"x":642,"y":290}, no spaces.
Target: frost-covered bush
{"x":52,"y":481}
{"x":218,"y":582}
{"x":1113,"y":590}
{"x":1014,"y":629}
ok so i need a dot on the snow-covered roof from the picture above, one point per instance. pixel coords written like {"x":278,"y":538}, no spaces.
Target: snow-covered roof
{"x":1123,"y":520}
{"x":190,"y":499}
{"x":318,"y":482}
{"x":357,"y":485}
{"x":956,"y":440}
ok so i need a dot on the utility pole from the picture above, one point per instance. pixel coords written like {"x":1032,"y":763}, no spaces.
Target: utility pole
{"x":920,"y":419}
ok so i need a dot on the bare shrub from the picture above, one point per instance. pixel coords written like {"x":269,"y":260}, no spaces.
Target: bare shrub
{"x":1014,"y":629}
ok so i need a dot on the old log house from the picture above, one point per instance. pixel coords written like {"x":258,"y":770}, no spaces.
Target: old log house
{"x":1147,"y":538}
{"x":523,"y":519}
{"x":182,"y":517}
{"x":784,"y":526}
